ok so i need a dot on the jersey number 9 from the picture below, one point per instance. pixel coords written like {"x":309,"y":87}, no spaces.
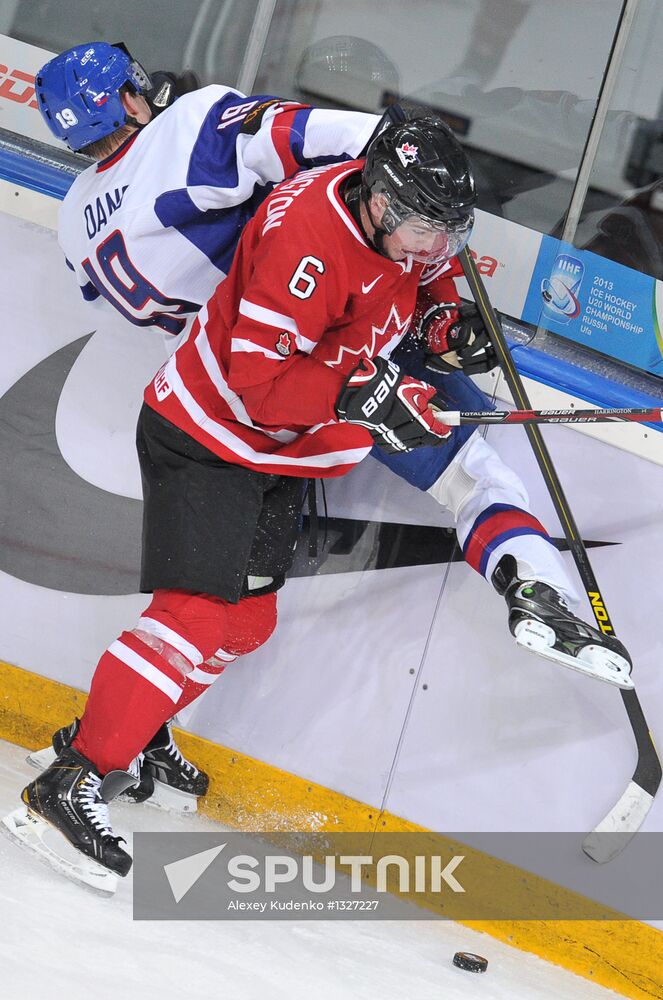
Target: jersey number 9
{"x":123,"y":285}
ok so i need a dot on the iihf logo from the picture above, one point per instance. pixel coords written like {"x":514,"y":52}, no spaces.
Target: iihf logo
{"x":407,"y":153}
{"x":560,"y":290}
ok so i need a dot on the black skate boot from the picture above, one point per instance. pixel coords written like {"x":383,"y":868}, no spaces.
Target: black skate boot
{"x":63,"y":738}
{"x":178,"y":782}
{"x":72,"y":797}
{"x":541,"y":621}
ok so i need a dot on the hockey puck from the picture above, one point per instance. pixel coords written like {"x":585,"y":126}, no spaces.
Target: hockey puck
{"x":471,"y":963}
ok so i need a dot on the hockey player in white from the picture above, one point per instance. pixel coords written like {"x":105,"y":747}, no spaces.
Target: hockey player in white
{"x":153,"y":226}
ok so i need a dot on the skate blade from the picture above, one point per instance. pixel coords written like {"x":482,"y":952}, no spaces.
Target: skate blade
{"x":41,"y":759}
{"x":165,"y":798}
{"x":593,"y":661}
{"x":172,"y":799}
{"x":28,"y":831}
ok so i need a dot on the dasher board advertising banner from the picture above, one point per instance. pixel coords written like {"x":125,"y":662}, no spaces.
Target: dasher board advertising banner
{"x":18,"y":102}
{"x":597,"y":303}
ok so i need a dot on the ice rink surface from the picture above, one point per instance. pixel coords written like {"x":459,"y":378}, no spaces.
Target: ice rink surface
{"x":61,"y":942}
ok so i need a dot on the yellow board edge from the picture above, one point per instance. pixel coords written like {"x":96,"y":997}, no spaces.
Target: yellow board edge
{"x":248,"y":794}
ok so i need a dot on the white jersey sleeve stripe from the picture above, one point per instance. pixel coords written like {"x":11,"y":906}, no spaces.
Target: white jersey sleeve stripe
{"x":278,"y":320}
{"x":241,"y":448}
{"x":215,"y":374}
{"x":216,"y":377}
{"x":249,"y":347}
{"x":268,"y":316}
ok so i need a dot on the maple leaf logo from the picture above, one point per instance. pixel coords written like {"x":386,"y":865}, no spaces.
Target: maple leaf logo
{"x":407,"y":153}
{"x":283,"y":344}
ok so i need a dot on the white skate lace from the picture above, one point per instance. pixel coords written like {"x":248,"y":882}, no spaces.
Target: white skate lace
{"x":93,"y":806}
{"x":174,"y":751}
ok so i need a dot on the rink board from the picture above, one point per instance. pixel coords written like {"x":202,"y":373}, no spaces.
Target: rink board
{"x":397,"y":686}
{"x":248,"y":794}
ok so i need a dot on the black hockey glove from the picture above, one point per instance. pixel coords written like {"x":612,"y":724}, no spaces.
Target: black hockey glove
{"x":393,"y":407}
{"x":167,"y":87}
{"x":455,"y":337}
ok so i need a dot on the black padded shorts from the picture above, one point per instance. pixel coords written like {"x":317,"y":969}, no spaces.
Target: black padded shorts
{"x":210,"y":526}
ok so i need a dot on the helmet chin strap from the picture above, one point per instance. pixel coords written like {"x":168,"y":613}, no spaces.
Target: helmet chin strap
{"x":355,"y":197}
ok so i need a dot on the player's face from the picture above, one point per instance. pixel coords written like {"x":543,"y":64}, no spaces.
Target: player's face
{"x":426,"y":241}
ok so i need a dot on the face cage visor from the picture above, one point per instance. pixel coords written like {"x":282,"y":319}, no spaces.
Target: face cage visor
{"x":426,"y":240}
{"x":140,"y":78}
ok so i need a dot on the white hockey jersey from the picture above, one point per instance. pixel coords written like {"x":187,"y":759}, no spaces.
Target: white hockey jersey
{"x":154,"y":227}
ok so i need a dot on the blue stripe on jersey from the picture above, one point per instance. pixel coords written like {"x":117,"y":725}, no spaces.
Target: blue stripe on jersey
{"x":216,"y":232}
{"x":213,"y":158}
{"x":298,"y":137}
{"x":298,"y":134}
{"x":213,"y":161}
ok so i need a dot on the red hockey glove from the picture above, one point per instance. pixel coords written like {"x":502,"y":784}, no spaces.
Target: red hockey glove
{"x":455,"y":337}
{"x":393,"y":407}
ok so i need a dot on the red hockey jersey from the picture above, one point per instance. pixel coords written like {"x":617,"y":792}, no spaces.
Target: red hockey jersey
{"x":305,"y":299}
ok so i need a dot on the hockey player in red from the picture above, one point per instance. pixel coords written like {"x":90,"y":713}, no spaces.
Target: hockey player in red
{"x":152,"y":227}
{"x":285,"y":376}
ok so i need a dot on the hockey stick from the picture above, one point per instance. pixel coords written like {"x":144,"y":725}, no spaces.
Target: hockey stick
{"x":617,"y":828}
{"x":635,"y":415}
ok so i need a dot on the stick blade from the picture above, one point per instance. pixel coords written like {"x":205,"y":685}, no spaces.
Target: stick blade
{"x":30,"y":833}
{"x":614,"y":832}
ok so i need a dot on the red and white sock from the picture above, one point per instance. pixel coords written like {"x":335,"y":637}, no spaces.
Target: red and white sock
{"x":200,"y":678}
{"x":181,"y":645}
{"x":134,"y":691}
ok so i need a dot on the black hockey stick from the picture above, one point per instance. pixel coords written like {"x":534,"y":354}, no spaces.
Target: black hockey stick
{"x":617,"y":828}
{"x":631,"y":414}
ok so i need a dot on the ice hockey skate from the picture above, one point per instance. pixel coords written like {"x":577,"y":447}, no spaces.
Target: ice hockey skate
{"x":541,"y":621}
{"x":178,"y":784}
{"x":167,"y":779}
{"x":67,"y":807}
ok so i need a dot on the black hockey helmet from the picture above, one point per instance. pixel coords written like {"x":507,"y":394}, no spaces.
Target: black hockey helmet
{"x":423,"y":171}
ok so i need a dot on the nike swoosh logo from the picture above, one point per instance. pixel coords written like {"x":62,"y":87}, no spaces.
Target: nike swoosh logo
{"x":61,"y":532}
{"x":366,"y":288}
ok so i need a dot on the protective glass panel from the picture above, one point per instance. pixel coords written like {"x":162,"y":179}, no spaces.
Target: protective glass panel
{"x":622,"y":217}
{"x":517,"y":79}
{"x":207,"y":37}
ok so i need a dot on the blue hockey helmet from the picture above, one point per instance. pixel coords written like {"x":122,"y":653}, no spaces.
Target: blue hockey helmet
{"x":79,"y":91}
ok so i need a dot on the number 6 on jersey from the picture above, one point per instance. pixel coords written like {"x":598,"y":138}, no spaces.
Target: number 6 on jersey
{"x":303,"y":283}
